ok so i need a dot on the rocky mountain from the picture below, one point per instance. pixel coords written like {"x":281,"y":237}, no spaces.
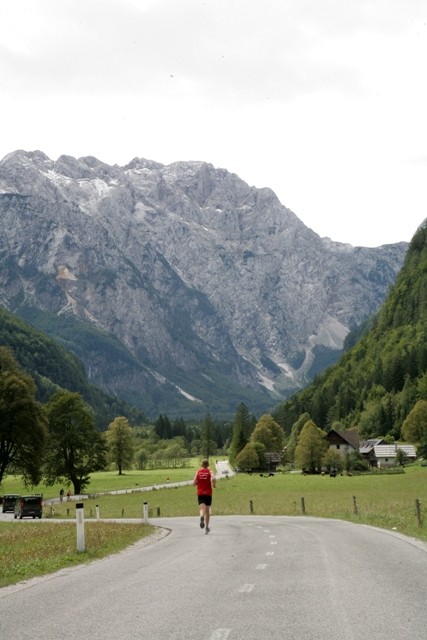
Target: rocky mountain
{"x":183,"y":289}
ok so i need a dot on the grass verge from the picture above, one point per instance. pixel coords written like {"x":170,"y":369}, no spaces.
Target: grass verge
{"x":37,"y":548}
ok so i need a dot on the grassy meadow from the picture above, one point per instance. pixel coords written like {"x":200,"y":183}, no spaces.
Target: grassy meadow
{"x":103,"y":481}
{"x":382,"y":500}
{"x":29,"y":550}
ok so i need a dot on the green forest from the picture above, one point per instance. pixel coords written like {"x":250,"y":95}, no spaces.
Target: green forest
{"x":53,"y":367}
{"x":378,"y":381}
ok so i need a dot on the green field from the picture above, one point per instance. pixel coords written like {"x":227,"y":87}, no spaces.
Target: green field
{"x":105,"y":481}
{"x":386,"y":501}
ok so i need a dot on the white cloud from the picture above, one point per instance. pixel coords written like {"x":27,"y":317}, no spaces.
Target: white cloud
{"x":324,"y":101}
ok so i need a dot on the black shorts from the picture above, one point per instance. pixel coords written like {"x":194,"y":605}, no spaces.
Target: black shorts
{"x":207,"y":500}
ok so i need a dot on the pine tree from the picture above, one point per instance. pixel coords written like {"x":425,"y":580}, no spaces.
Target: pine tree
{"x":241,"y":431}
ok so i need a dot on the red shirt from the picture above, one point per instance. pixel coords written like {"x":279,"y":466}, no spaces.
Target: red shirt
{"x":203,"y":481}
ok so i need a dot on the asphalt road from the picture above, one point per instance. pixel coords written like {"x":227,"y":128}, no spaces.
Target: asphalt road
{"x":251,"y":578}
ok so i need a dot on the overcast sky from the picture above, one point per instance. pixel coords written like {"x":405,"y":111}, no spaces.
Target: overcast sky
{"x":323,"y":101}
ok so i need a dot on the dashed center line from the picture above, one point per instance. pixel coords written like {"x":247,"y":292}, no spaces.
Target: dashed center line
{"x":246,"y":588}
{"x":273,"y":541}
{"x":270,"y":553}
{"x":261,"y":566}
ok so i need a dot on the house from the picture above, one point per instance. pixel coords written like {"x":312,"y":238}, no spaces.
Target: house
{"x":381,"y":454}
{"x":272,"y":459}
{"x":344,"y":442}
{"x":376,"y":451}
{"x":385,"y":454}
{"x":367,"y":449}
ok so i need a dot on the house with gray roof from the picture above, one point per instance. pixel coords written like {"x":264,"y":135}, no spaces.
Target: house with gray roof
{"x":385,"y":454}
{"x":376,"y":451}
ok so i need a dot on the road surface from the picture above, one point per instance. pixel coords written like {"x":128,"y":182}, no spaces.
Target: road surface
{"x":251,"y":578}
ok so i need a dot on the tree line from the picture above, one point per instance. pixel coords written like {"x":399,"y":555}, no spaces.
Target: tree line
{"x":58,"y":441}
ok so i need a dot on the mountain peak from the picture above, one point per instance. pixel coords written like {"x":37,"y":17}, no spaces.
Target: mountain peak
{"x":215,"y":289}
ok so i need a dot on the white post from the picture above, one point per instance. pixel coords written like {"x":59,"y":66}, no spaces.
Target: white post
{"x":146,"y":512}
{"x":80,"y":522}
{"x":97,"y":511}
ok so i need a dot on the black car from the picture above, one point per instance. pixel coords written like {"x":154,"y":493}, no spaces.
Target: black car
{"x":29,"y":507}
{"x":9,"y":502}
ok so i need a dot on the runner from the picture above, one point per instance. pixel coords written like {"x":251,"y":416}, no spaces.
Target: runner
{"x":205,"y":481}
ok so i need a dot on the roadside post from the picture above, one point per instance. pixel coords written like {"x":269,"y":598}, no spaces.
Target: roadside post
{"x":80,"y":526}
{"x":146,"y":512}
{"x":97,"y":511}
{"x":418,"y":512}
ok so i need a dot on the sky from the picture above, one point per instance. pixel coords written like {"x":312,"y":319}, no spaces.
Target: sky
{"x":323,"y":101}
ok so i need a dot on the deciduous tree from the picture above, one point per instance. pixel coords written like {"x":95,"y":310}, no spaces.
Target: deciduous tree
{"x":414,"y":428}
{"x":120,"y":445}
{"x":269,"y":433}
{"x":22,"y":421}
{"x":75,"y":449}
{"x":248,"y":457}
{"x":311,"y":447}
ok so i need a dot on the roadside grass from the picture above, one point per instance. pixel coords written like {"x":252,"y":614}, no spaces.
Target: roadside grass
{"x":386,"y":501}
{"x":35,"y":549}
{"x":31,"y":549}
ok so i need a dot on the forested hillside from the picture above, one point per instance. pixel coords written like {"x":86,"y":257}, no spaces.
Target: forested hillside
{"x":378,"y":381}
{"x":51,"y":366}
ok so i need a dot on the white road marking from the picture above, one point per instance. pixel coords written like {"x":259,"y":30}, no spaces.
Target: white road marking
{"x":220,"y":634}
{"x":261,"y":566}
{"x":273,"y":541}
{"x":266,"y":530}
{"x":246,"y":588}
{"x":270,"y":553}
{"x":272,"y":536}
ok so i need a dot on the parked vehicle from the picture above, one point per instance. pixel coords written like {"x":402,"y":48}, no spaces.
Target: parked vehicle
{"x":9,"y":501}
{"x":29,"y":507}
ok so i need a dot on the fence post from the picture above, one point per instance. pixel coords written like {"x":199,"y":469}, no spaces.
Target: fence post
{"x":158,"y":512}
{"x":80,"y":526}
{"x":418,"y":512}
{"x":251,"y":506}
{"x":303,"y":505}
{"x":354,"y":506}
